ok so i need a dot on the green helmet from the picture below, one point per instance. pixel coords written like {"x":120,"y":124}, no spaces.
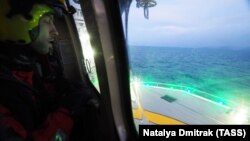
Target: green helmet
{"x":18,"y":27}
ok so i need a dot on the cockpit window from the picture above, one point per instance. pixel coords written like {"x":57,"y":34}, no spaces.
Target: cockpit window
{"x":189,"y":61}
{"x":87,"y":49}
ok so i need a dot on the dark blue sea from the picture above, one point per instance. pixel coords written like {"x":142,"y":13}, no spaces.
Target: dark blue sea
{"x":224,"y":72}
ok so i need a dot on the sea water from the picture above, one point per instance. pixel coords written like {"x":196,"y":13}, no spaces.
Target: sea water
{"x":222,"y":72}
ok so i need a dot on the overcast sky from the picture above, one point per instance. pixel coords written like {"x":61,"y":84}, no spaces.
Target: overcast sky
{"x":191,"y":23}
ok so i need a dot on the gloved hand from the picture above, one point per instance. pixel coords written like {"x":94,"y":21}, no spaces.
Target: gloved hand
{"x":77,"y":97}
